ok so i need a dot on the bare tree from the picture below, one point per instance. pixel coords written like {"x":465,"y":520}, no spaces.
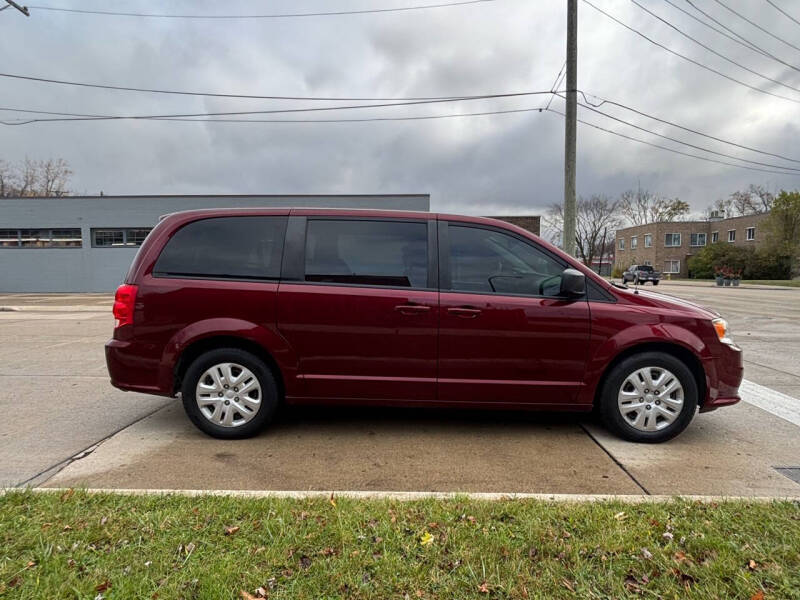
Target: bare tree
{"x":755,"y":199}
{"x":640,"y":207}
{"x":31,"y":178}
{"x":595,"y":216}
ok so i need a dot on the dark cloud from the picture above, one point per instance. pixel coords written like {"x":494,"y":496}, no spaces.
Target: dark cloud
{"x":492,"y":164}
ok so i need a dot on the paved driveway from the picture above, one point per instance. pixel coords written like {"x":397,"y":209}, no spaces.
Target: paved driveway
{"x":52,"y":368}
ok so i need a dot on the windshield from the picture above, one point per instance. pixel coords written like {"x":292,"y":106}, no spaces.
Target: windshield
{"x":647,"y":268}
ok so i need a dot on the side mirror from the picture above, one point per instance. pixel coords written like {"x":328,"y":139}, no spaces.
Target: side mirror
{"x":573,"y":283}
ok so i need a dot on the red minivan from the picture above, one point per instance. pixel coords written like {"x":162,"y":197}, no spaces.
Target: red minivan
{"x":240,"y":310}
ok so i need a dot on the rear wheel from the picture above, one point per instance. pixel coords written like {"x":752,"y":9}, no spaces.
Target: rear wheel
{"x":649,"y":397}
{"x":229,"y":393}
{"x":655,"y":282}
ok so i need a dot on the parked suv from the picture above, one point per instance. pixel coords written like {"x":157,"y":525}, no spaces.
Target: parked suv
{"x":641,"y":274}
{"x":240,"y":310}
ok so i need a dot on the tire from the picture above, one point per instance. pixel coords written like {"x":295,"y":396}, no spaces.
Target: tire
{"x":220,"y":411}
{"x":651,"y":418}
{"x":655,"y":282}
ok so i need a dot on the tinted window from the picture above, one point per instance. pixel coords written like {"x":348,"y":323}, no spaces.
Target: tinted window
{"x":645,"y":268}
{"x":227,"y":247}
{"x":484,"y":260}
{"x":391,"y":253}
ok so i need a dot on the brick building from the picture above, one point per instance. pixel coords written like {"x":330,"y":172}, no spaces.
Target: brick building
{"x":668,"y":246}
{"x":531,"y":223}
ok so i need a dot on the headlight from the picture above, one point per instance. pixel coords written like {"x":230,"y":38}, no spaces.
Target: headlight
{"x":721,"y":327}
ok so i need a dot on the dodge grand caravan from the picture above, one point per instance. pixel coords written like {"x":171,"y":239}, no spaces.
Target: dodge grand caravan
{"x":238,"y":311}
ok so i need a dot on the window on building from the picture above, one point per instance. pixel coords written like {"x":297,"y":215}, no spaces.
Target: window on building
{"x":672,"y":240}
{"x":634,"y":242}
{"x":40,"y":238}
{"x":714,"y":237}
{"x":34,"y":238}
{"x":731,"y":235}
{"x":9,"y":238}
{"x":648,"y":240}
{"x":118,"y":238}
{"x":362,"y":252}
{"x":492,"y":262}
{"x":698,"y":239}
{"x":750,"y":233}
{"x":66,"y":238}
{"x":622,"y":243}
{"x":108,"y":238}
{"x":648,"y":263}
{"x":672,"y":266}
{"x":225,"y":248}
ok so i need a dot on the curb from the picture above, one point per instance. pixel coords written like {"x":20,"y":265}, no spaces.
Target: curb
{"x":410,"y":496}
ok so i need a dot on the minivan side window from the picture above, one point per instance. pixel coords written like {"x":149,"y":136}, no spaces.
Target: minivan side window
{"x":366,"y":252}
{"x":488,"y":261}
{"x":225,"y":248}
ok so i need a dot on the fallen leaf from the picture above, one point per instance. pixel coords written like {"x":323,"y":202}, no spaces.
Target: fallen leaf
{"x":67,"y":528}
{"x":327,"y":552}
{"x":67,"y":495}
{"x":647,"y":554}
{"x":667,"y":535}
{"x":759,"y":595}
{"x":106,"y":585}
{"x":483,"y":588}
{"x":103,"y":521}
{"x":231,"y":530}
{"x":332,"y":501}
{"x":246,"y":595}
{"x":426,"y":539}
{"x":620,"y":516}
{"x":532,"y":552}
{"x":752,"y":565}
{"x":680,"y":556}
{"x":30,"y":564}
{"x":261,"y":593}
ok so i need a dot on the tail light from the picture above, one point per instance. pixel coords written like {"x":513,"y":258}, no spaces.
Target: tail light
{"x":124,"y":301}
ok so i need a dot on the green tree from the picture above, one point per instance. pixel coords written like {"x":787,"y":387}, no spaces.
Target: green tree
{"x":783,"y":227}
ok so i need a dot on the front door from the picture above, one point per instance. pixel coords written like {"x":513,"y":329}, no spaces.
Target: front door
{"x":364,"y":319}
{"x":505,"y":335}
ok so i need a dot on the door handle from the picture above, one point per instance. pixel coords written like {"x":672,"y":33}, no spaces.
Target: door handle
{"x":465,"y":312}
{"x":412,"y":309}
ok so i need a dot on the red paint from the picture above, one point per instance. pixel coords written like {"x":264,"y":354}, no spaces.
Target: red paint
{"x":395,"y":346}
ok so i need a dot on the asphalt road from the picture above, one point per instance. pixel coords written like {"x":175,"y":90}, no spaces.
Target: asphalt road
{"x":61,"y":407}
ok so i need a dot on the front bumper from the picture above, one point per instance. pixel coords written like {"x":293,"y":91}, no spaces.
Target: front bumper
{"x":725,"y":376}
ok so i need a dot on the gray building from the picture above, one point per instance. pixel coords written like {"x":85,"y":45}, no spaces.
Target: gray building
{"x":87,"y":243}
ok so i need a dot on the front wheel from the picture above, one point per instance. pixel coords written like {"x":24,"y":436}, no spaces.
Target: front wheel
{"x":655,"y":282}
{"x":649,"y":397}
{"x":229,"y":393}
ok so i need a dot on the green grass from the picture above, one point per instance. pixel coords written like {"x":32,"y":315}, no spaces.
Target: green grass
{"x":80,"y":545}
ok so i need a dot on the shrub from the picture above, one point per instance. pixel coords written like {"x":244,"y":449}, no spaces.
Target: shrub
{"x":616,"y":273}
{"x":750,"y":263}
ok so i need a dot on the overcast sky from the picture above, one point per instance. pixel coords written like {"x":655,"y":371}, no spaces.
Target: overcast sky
{"x":501,"y":164}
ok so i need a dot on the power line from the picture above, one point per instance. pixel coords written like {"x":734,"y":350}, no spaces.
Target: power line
{"x":756,"y":25}
{"x":258,"y":16}
{"x":689,"y":129}
{"x":686,"y":58}
{"x":783,"y":12}
{"x":702,"y":45}
{"x":645,"y":142}
{"x":677,"y":141}
{"x":103,"y":86}
{"x":559,"y":78}
{"x":744,"y":44}
{"x":87,"y":117}
{"x":711,"y":17}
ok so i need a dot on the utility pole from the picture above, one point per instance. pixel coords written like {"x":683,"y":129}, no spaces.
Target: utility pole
{"x":22,"y":9}
{"x":570,"y":127}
